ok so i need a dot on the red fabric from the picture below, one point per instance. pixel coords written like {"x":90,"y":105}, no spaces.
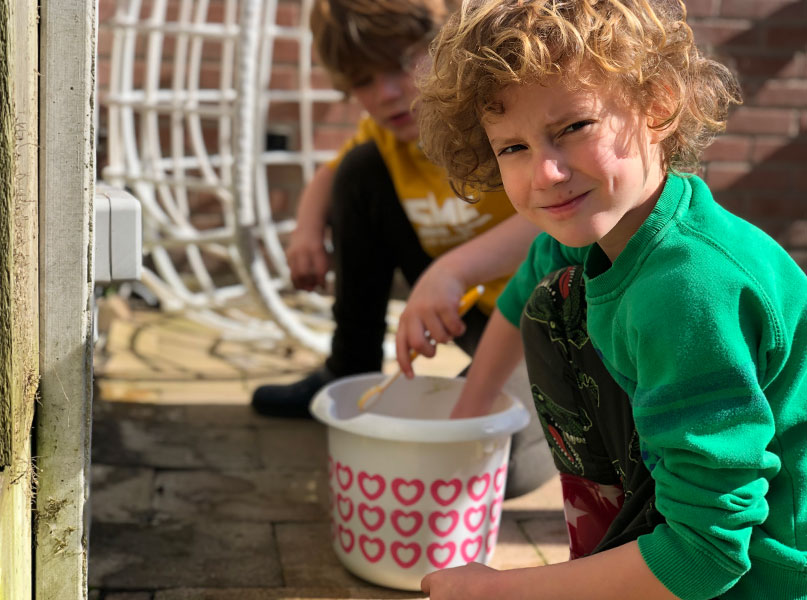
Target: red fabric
{"x":589,"y":509}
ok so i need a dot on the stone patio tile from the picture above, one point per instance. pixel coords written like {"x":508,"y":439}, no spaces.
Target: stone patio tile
{"x":310,"y":593}
{"x":214,"y":554}
{"x":121,"y":494}
{"x":514,"y":550}
{"x":548,"y":532}
{"x":547,"y":497}
{"x":111,"y":409}
{"x":262,"y":495}
{"x":173,"y":445}
{"x":293,"y":443}
{"x":306,"y":556}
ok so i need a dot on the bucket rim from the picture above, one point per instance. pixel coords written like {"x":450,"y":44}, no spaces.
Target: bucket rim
{"x":368,"y":424}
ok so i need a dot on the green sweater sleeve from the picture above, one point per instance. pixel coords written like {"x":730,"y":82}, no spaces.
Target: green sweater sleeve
{"x":704,"y":423}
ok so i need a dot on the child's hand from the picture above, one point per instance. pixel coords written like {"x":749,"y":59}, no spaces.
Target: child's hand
{"x":460,"y":583}
{"x":431,"y":307}
{"x":307,"y":259}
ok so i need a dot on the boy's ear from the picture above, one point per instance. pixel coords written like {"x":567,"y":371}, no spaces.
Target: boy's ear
{"x":663,"y":117}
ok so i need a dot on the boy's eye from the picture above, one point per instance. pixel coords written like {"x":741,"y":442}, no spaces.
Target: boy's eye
{"x":576,"y":126}
{"x":511,"y":149}
{"x":361,"y":82}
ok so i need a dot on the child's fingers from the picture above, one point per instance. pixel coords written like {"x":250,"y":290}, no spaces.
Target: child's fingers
{"x":425,"y":584}
{"x":452,"y":322}
{"x":402,"y":354}
{"x":437,"y":332}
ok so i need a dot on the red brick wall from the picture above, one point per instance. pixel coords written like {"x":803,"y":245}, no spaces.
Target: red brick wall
{"x":758,"y":168}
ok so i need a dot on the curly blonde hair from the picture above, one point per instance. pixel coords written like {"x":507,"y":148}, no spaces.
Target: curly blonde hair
{"x":642,"y":48}
{"x":355,"y":37}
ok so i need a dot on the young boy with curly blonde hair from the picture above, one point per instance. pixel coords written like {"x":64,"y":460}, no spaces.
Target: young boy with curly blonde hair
{"x":665,"y":338}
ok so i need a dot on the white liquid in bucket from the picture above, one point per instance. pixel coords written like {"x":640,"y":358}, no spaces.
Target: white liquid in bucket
{"x":411,"y":490}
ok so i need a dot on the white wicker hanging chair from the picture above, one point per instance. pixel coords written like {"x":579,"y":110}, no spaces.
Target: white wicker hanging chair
{"x":157,"y":148}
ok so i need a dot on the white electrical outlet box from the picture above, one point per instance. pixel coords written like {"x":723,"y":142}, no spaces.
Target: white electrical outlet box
{"x":118,"y":235}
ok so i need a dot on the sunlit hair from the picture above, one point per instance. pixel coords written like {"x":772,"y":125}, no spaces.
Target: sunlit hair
{"x":354,"y":37}
{"x":644,"y":50}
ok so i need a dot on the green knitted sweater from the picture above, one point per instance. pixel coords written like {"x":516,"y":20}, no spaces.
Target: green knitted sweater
{"x":703,"y":321}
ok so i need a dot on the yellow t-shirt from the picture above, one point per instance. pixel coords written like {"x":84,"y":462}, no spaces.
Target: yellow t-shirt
{"x":440,"y":219}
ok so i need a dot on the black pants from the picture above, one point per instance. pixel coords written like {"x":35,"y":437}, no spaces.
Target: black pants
{"x":372,"y":237}
{"x":586,"y":416}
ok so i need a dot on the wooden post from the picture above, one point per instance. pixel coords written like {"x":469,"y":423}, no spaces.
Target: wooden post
{"x":19,"y":362}
{"x":66,"y":183}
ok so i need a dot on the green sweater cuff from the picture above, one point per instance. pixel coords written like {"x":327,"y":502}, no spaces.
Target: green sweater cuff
{"x":683,"y":569}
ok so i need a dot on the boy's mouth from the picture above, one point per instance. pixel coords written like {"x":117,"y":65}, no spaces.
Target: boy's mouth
{"x":566,"y":205}
{"x":399,"y":119}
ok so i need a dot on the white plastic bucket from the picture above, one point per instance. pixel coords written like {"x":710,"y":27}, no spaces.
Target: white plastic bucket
{"x":411,"y":490}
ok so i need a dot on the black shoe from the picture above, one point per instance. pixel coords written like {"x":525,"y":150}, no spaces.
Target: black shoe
{"x":290,"y":400}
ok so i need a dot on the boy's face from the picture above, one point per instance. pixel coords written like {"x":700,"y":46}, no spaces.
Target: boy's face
{"x":387,"y":96}
{"x":578,"y":163}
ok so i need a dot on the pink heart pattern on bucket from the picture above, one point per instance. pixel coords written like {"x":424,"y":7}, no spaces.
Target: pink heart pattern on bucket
{"x":344,"y":475}
{"x":445,"y":492}
{"x":478,"y":486}
{"x":407,"y":492}
{"x":442,"y":524}
{"x":406,"y":523}
{"x":406,"y":555}
{"x":371,"y":548}
{"x":474,"y":517}
{"x":344,"y":506}
{"x":471,"y":548}
{"x":465,"y":522}
{"x":346,"y":539}
{"x":372,"y":486}
{"x":440,"y":555}
{"x":372,"y":517}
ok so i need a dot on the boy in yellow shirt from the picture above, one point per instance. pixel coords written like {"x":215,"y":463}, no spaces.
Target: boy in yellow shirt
{"x":389,"y":207}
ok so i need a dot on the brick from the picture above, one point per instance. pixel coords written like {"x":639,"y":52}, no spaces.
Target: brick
{"x":723,"y":32}
{"x":720,"y":176}
{"x":795,"y":235}
{"x":786,"y":36}
{"x":783,"y":93}
{"x":750,"y":119}
{"x":781,"y":149}
{"x":729,"y":148}
{"x":800,"y":256}
{"x":287,"y":51}
{"x":288,"y":14}
{"x":702,"y":8}
{"x":283,"y":77}
{"x":775,"y":205}
{"x":784,"y":65}
{"x":767,"y":9}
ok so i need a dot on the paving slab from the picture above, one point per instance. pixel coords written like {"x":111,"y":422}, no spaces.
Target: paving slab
{"x":266,"y":495}
{"x":121,"y":494}
{"x":195,"y":497}
{"x":173,"y":554}
{"x":173,"y":445}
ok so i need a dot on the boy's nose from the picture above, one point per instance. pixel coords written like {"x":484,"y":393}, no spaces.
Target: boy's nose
{"x":388,"y":86}
{"x":548,"y":171}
